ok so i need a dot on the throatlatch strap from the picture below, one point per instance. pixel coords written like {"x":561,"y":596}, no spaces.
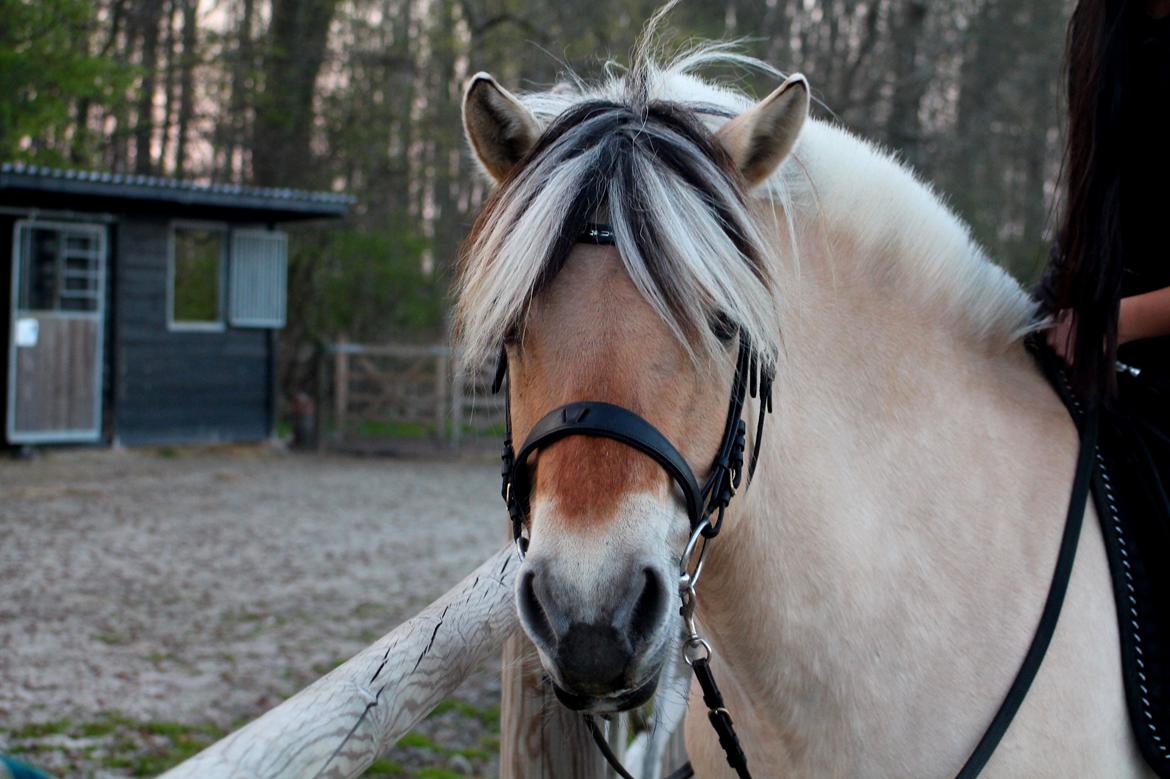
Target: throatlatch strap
{"x":1051,"y":614}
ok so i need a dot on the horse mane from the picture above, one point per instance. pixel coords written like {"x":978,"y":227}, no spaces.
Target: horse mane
{"x":635,"y":149}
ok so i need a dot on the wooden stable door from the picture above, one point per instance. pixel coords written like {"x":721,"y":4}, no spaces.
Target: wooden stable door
{"x":56,"y":332}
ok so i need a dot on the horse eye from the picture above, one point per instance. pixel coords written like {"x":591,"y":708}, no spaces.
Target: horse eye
{"x":723,"y":328}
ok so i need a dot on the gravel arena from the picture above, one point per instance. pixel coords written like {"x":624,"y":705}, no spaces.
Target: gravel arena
{"x":153,"y":600}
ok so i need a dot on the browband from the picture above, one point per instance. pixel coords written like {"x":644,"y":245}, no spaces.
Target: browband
{"x":599,"y":234}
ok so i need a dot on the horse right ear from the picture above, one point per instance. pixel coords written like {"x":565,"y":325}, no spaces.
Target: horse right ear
{"x":761,"y":137}
{"x":498,"y":126}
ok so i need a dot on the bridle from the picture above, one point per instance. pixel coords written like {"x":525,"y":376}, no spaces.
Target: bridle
{"x":706,"y":505}
{"x":605,"y":420}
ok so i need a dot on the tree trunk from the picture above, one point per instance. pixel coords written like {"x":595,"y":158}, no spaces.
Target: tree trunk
{"x":234,"y":128}
{"x":281,"y":149}
{"x":169,"y":67}
{"x":189,"y":59}
{"x":904,"y":130}
{"x":149,"y":15}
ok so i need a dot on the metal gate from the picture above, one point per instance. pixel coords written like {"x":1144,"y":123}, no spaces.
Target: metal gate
{"x":57,"y":332}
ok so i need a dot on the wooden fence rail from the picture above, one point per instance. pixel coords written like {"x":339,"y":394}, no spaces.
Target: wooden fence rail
{"x":338,"y":726}
{"x":367,"y":388}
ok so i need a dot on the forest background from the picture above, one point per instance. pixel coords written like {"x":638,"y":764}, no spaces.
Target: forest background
{"x":363,"y":96}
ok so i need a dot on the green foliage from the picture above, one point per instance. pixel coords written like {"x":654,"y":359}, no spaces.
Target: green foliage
{"x":45,"y":66}
{"x":365,"y":285}
{"x":197,"y":275}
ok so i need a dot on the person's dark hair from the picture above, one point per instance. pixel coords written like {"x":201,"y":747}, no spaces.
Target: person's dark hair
{"x":1086,"y":275}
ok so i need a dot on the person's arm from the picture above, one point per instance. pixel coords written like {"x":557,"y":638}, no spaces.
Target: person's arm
{"x":1144,"y":316}
{"x":1141,"y":316}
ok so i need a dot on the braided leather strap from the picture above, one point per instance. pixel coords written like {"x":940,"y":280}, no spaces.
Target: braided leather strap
{"x":720,"y":718}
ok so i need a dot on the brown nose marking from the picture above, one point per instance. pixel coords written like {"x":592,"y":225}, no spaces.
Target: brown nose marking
{"x":588,"y":477}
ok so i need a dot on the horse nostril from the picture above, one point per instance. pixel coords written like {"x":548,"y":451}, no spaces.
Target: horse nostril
{"x":649,"y":608}
{"x":532,"y":611}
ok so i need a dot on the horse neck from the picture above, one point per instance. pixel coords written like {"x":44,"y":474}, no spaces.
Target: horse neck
{"x":889,"y":497}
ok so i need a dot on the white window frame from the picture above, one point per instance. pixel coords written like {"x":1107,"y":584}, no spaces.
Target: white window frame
{"x":179,"y":325}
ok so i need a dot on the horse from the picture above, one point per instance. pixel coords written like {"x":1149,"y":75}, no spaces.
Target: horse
{"x":879,"y":577}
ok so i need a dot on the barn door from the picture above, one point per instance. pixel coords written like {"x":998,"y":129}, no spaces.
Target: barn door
{"x":55,"y":348}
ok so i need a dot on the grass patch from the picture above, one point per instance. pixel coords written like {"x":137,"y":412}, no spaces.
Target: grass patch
{"x":368,"y":608}
{"x":42,"y":729}
{"x":434,"y":772}
{"x":489,"y":716}
{"x":391,"y":428}
{"x":388,"y":428}
{"x":417,"y":740}
{"x":320,"y":669}
{"x":384,"y":767}
{"x":136,"y":747}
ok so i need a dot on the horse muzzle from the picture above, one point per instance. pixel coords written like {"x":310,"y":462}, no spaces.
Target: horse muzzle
{"x":601,"y":656}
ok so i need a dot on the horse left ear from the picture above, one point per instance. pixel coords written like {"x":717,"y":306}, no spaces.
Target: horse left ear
{"x":761,"y":137}
{"x":501,"y":130}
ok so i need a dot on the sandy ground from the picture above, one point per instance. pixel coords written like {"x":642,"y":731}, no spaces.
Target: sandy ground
{"x":153,"y":599}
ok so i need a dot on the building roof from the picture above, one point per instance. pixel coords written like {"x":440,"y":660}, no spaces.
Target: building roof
{"x":38,"y":186}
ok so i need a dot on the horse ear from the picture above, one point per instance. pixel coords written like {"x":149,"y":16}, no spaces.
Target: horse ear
{"x":501,"y":130}
{"x":761,"y":137}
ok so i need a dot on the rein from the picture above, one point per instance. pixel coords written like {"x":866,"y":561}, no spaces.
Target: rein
{"x":1087,"y":424}
{"x":605,"y":420}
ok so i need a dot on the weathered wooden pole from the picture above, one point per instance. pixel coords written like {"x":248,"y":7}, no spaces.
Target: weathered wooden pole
{"x":540,"y":738}
{"x":319,"y":394}
{"x":341,"y":723}
{"x":340,"y":388}
{"x":442,"y":383}
{"x":459,"y":378}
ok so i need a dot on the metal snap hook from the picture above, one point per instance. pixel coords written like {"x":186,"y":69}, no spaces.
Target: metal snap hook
{"x":696,"y":649}
{"x":688,"y":579}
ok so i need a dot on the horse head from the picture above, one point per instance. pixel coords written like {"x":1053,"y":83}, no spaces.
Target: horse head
{"x":655,"y":321}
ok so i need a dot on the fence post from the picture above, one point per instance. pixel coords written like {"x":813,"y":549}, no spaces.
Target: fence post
{"x":458,"y":377}
{"x":539,"y":737}
{"x":340,"y":387}
{"x":442,"y":382}
{"x":319,"y":391}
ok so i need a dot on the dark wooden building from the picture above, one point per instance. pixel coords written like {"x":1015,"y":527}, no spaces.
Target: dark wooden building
{"x":140,"y":309}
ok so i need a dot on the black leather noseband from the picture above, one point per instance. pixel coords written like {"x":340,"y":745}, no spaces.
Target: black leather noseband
{"x":605,"y":420}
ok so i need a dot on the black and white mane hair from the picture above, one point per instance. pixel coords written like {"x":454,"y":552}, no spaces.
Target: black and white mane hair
{"x":636,"y":150}
{"x":648,"y":166}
